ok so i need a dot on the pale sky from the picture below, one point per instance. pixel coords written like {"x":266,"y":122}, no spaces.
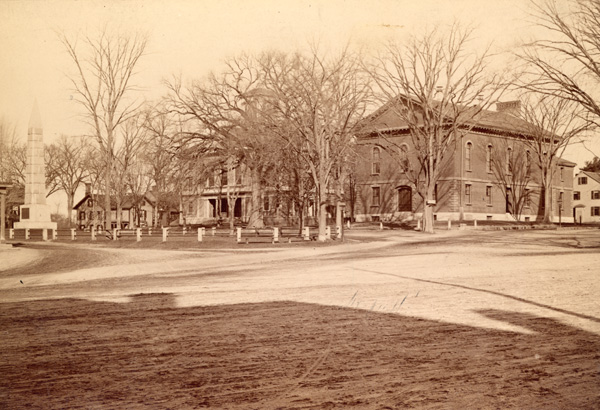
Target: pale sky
{"x":193,"y":37}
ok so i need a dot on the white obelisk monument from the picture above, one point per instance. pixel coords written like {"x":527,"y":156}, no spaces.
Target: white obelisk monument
{"x":35,"y":213}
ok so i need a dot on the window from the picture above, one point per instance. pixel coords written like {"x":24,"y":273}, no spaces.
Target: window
{"x":191,"y":208}
{"x":404,"y":161}
{"x":223,"y":177}
{"x":595,"y":194}
{"x":266,"y":203}
{"x":404,"y":199}
{"x":561,"y":201}
{"x":582,"y":180}
{"x":488,"y":159}
{"x":90,"y":215}
{"x":82,"y":216}
{"x":468,"y":194}
{"x":527,"y":163}
{"x":527,"y":198}
{"x":595,"y":210}
{"x":562,"y":178}
{"x":375,"y":196}
{"x":238,"y":175}
{"x":576,"y":196}
{"x":468,"y":156}
{"x":488,"y":195}
{"x":376,"y":164}
{"x":509,"y":158}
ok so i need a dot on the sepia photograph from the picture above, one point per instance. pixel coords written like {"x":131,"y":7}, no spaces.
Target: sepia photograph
{"x":300,"y":204}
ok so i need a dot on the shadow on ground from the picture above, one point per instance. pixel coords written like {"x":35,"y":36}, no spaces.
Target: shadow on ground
{"x":74,"y":353}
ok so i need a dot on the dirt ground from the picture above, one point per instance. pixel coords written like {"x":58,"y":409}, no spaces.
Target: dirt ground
{"x":455,"y":320}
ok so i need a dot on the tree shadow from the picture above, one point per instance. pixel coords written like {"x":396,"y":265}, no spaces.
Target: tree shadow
{"x":72,"y":353}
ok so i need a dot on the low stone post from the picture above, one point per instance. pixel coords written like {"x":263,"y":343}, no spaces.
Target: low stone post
{"x":149,"y":231}
{"x":74,"y":234}
{"x":348,"y":224}
{"x":115,"y":234}
{"x":184,"y":230}
{"x":475,"y":223}
{"x":418,"y":224}
{"x":214,"y":230}
{"x":200,"y":234}
{"x":328,"y":232}
{"x":138,"y":234}
{"x":238,"y":234}
{"x":165,"y":233}
{"x":93,"y":233}
{"x":44,"y":234}
{"x":275,"y":235}
{"x":306,"y":233}
{"x":11,"y":233}
{"x":27,"y":234}
{"x":449,"y":224}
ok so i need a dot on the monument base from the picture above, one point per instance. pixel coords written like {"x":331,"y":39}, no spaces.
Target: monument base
{"x":35,"y":216}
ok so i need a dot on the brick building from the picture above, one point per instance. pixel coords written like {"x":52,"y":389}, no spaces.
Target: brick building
{"x":471,"y":185}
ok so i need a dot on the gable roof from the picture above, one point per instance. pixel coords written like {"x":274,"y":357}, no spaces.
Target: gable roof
{"x":594,"y":175}
{"x":126,"y":203}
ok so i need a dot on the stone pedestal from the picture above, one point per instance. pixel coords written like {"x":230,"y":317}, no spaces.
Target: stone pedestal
{"x":35,"y":216}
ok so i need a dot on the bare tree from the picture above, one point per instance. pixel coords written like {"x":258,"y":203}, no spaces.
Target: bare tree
{"x":567,"y":62}
{"x":224,"y":110}
{"x":129,"y":152}
{"x":438,"y":90}
{"x":102,"y":86}
{"x":511,"y":164}
{"x":552,"y":123}
{"x":67,"y":166}
{"x":316,"y":103}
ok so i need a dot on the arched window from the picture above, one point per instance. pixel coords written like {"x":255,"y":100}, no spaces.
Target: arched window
{"x":404,"y":199}
{"x":509,"y":158}
{"x":468,"y":150}
{"x":528,"y":162}
{"x":376,"y":161}
{"x":488,"y":158}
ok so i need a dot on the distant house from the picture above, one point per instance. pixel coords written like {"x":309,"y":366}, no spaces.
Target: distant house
{"x":586,"y":197}
{"x":468,"y":187}
{"x":90,"y":211}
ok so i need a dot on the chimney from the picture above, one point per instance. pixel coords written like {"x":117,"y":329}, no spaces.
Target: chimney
{"x":509,"y":107}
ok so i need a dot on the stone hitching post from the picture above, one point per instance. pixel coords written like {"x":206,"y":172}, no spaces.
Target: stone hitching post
{"x":35,"y":213}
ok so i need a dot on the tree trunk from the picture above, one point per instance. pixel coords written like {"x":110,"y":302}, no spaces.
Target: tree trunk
{"x":256,"y":217}
{"x":322,"y":220}
{"x":107,"y":213}
{"x":547,"y":199}
{"x":119,"y":212}
{"x":70,"y":199}
{"x":231,"y":212}
{"x":428,"y":210}
{"x":300,"y":217}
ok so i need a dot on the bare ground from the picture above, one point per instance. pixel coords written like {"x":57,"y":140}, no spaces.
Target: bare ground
{"x":470,"y":320}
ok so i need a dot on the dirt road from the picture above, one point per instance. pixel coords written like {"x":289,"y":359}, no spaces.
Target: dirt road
{"x":472,"y":320}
